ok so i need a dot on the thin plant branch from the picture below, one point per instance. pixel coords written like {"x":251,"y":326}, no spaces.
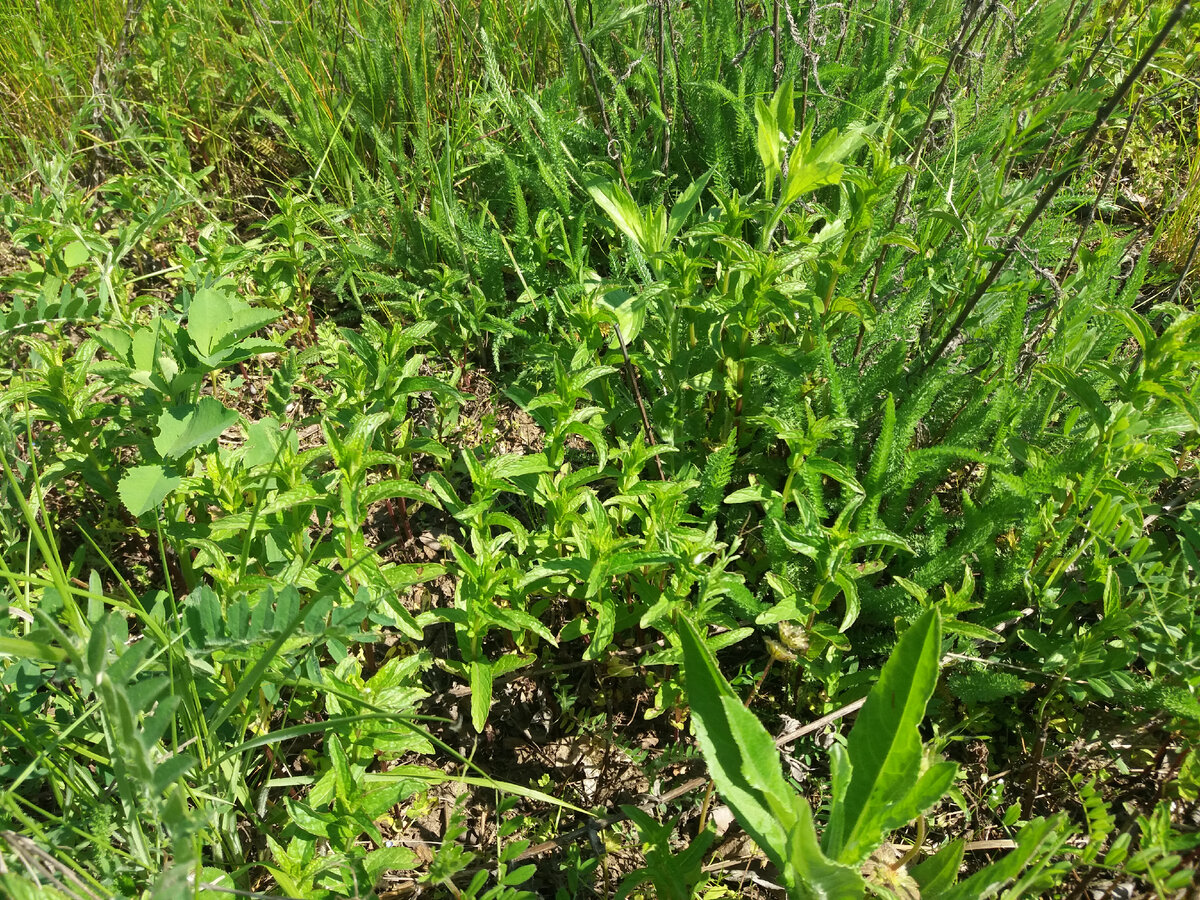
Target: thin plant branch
{"x":614,"y":147}
{"x":1075,"y":161}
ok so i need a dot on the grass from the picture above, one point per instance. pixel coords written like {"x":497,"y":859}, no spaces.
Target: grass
{"x":460,"y":447}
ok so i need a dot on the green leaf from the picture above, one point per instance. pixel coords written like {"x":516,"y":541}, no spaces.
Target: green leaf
{"x":210,"y":319}
{"x":686,"y":203}
{"x":627,"y":310}
{"x":804,"y":177}
{"x":75,"y":254}
{"x":992,"y":878}
{"x":142,"y":488}
{"x":481,"y":693}
{"x":387,"y":859}
{"x":835,"y":471}
{"x":1083,"y":392}
{"x":747,"y":771}
{"x":783,"y":106}
{"x":850,"y":592}
{"x":939,"y":872}
{"x":740,"y":754}
{"x":26,"y":648}
{"x":217,"y":320}
{"x":514,"y":465}
{"x":768,"y":144}
{"x":900,"y":240}
{"x":624,"y":211}
{"x":884,"y":748}
{"x":186,"y":427}
{"x":878,"y":537}
{"x":344,"y":787}
{"x":385,"y":490}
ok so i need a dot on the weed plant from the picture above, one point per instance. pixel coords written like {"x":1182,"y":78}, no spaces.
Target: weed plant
{"x":419,"y":420}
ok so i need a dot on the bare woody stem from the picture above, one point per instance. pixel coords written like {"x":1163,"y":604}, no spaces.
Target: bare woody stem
{"x":614,"y":148}
{"x":1075,"y":161}
{"x":631,"y":374}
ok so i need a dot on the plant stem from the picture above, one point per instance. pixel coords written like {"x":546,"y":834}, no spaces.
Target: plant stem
{"x":614,"y":148}
{"x":631,"y":374}
{"x":1075,"y":160}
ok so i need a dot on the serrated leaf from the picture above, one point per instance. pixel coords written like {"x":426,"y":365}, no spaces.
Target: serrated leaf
{"x":514,"y":465}
{"x":387,"y":859}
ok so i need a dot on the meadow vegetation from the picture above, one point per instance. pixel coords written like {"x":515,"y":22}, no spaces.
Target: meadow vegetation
{"x":476,"y":449}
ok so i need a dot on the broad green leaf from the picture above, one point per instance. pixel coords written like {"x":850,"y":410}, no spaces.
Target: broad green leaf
{"x":810,"y":874}
{"x":142,"y":488}
{"x":884,"y":748}
{"x":747,"y":770}
{"x":804,"y":177}
{"x":835,"y":471}
{"x":850,"y":592}
{"x":783,"y":107}
{"x":481,"y":693}
{"x":740,"y":754}
{"x":210,"y":319}
{"x":75,"y":254}
{"x":217,"y":320}
{"x":627,"y":310}
{"x":514,"y":465}
{"x":116,"y":341}
{"x":625,"y":561}
{"x":517,"y":620}
{"x":758,"y":493}
{"x":186,"y":427}
{"x":264,"y":439}
{"x":1083,"y":392}
{"x":900,"y":240}
{"x":878,"y":537}
{"x":387,"y":859}
{"x":624,"y":211}
{"x":315,"y":823}
{"x":344,"y":787}
{"x":422,"y":384}
{"x":27,"y":648}
{"x":929,"y":789}
{"x":385,"y":490}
